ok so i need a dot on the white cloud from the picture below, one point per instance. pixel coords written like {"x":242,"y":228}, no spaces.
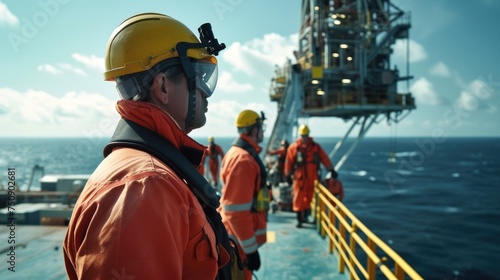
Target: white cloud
{"x":424,"y":93}
{"x":221,"y":117}
{"x":60,"y":68}
{"x":255,"y":57}
{"x":227,"y":83}
{"x":90,"y":61}
{"x":49,"y":68}
{"x":84,"y":104}
{"x":480,"y":89}
{"x":440,"y":69}
{"x":40,"y":107}
{"x":70,"y":68}
{"x":475,"y":96}
{"x":417,"y":51}
{"x":7,"y":16}
{"x":36,"y":107}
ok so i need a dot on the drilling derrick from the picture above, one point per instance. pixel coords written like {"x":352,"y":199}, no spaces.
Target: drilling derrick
{"x":343,"y":68}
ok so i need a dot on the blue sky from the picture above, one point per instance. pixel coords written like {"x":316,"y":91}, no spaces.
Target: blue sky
{"x":51,"y":64}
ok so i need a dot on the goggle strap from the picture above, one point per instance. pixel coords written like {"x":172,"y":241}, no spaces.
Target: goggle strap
{"x":191,"y":79}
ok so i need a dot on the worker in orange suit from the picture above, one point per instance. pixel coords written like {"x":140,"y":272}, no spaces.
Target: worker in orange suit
{"x":334,"y":186}
{"x":302,"y":164}
{"x":214,"y":151}
{"x":137,"y":218}
{"x":281,"y":154}
{"x":244,"y":181}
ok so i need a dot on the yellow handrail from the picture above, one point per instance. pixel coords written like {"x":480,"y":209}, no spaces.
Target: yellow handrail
{"x":346,"y":234}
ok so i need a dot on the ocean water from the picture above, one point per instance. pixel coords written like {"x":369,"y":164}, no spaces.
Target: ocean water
{"x":437,"y":204}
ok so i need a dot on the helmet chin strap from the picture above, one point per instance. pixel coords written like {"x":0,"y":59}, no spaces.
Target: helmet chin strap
{"x":191,"y":112}
{"x":213,"y":47}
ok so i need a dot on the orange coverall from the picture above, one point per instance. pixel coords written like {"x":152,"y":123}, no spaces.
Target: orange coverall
{"x":335,"y":187}
{"x":241,"y":177}
{"x":304,"y":174}
{"x":213,"y":153}
{"x":137,"y":219}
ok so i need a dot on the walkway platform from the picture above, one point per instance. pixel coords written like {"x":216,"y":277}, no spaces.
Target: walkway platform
{"x":293,"y":253}
{"x":38,"y":252}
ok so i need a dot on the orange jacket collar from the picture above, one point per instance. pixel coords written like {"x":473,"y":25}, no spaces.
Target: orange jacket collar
{"x":252,"y":143}
{"x":152,"y":117}
{"x":309,"y":141}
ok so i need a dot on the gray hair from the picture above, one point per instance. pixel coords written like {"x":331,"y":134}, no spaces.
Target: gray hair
{"x":245,"y":130}
{"x":142,"y":82}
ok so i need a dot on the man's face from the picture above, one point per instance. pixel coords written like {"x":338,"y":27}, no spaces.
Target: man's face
{"x":178,"y":102}
{"x":201,"y":109}
{"x":260,"y":134}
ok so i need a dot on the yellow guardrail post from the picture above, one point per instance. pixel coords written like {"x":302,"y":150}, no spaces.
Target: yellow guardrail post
{"x":335,"y":221}
{"x":352,"y":244}
{"x":371,"y":268}
{"x":342,"y":231}
{"x":317,"y":210}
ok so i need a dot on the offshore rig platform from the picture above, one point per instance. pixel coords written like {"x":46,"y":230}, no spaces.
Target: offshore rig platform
{"x":343,"y":69}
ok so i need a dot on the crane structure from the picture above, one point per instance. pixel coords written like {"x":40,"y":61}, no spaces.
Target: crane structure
{"x":343,"y":69}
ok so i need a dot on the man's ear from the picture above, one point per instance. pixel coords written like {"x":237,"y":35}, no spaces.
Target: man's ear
{"x":159,"y":88}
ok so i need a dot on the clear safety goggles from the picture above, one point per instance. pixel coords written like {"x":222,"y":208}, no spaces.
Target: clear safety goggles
{"x":206,"y":75}
{"x":263,"y":126}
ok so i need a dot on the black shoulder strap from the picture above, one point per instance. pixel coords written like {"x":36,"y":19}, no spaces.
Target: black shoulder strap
{"x":239,"y":142}
{"x":132,"y":135}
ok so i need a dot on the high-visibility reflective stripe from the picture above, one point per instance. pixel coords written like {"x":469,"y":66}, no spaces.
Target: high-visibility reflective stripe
{"x":261,"y":232}
{"x":250,"y":249}
{"x":237,"y":207}
{"x":247,"y":242}
{"x":249,"y":245}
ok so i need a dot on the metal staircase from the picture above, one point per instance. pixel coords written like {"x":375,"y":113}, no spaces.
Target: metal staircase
{"x":289,"y":107}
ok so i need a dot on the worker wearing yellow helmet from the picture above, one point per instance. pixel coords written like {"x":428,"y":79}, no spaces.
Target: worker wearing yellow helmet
{"x":243,"y":200}
{"x":151,"y":55}
{"x":137,"y":217}
{"x":303,"y":159}
{"x":214,"y":151}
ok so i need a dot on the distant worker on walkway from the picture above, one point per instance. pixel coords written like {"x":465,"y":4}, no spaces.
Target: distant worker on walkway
{"x":303,"y":160}
{"x":281,"y":154}
{"x":245,"y":200}
{"x":214,"y":152}
{"x":146,"y":212}
{"x":334,"y":186}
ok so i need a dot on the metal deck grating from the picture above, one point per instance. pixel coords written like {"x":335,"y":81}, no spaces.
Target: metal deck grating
{"x":293,"y":253}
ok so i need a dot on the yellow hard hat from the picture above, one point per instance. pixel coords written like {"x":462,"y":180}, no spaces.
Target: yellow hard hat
{"x":143,"y":40}
{"x":248,"y":117}
{"x":210,"y":139}
{"x":303,"y":129}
